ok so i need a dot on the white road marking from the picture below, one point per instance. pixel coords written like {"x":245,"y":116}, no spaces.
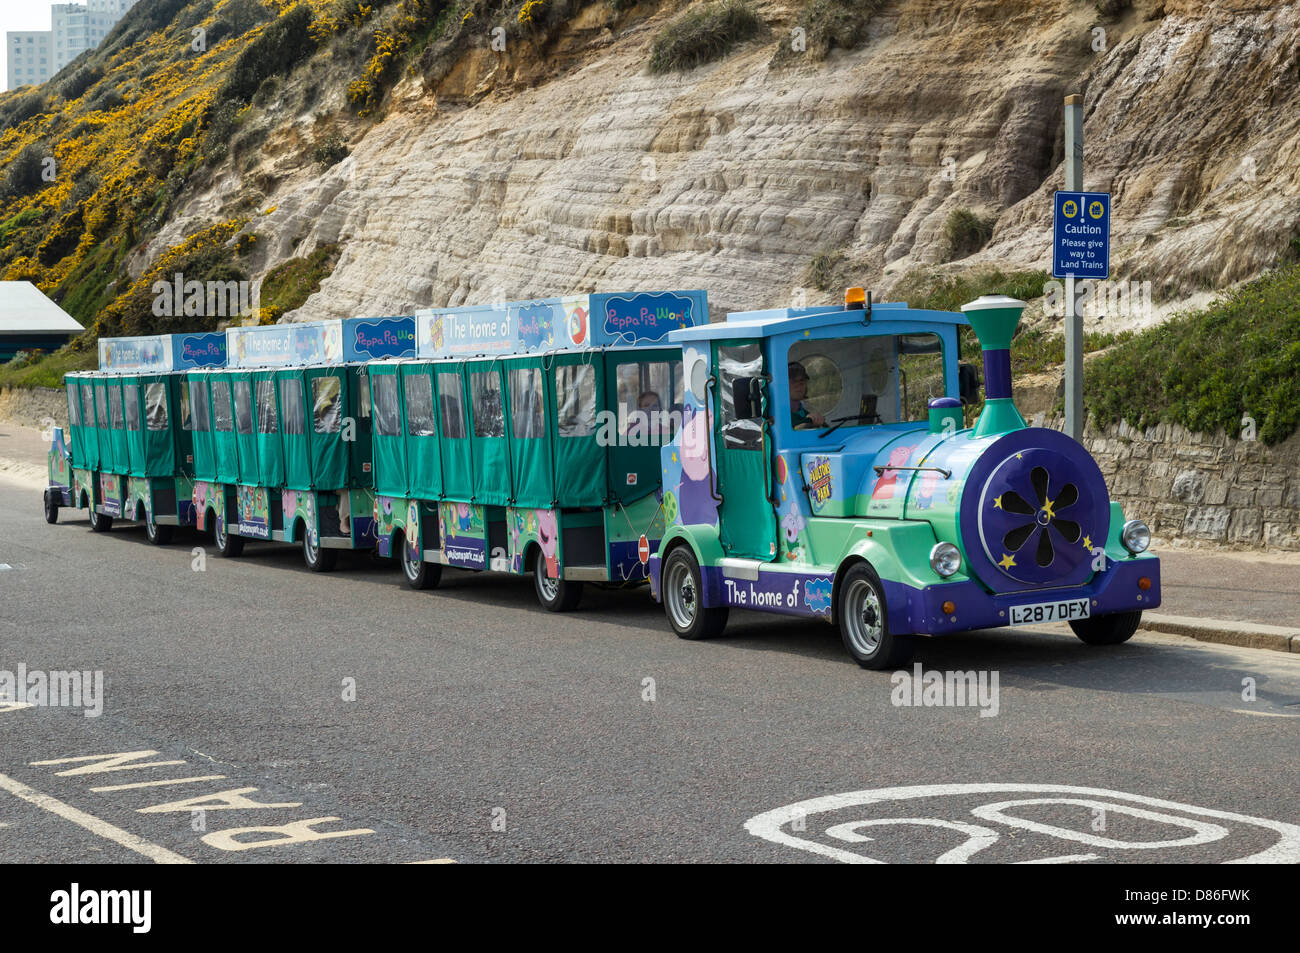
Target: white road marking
{"x":101,"y":828}
{"x":1262,"y":714}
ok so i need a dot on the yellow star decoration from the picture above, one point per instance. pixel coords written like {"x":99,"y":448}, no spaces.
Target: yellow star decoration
{"x":674,"y":456}
{"x":1047,"y":508}
{"x":1020,"y":456}
{"x":1007,"y":561}
{"x":1087,"y":542}
{"x":997,"y":502}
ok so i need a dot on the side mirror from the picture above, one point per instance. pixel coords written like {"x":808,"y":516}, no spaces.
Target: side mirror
{"x":968,"y":383}
{"x":747,"y":397}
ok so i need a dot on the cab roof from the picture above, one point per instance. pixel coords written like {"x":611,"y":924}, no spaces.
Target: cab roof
{"x":761,"y":324}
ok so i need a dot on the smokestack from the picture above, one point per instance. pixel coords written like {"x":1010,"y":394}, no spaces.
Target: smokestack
{"x":995,"y":318}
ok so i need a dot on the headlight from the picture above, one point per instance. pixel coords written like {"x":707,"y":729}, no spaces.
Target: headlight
{"x":945,"y":559}
{"x":1135,"y":536}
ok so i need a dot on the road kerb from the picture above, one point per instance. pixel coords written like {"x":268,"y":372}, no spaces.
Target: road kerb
{"x":1252,"y":635}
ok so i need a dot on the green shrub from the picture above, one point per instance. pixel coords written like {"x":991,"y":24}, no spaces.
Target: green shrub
{"x":703,"y":34}
{"x":823,"y":272}
{"x":274,"y":52}
{"x":75,"y":86}
{"x":47,"y":370}
{"x":24,"y":174}
{"x":938,"y":292}
{"x":18,"y":109}
{"x":1208,"y":370}
{"x":330,"y":152}
{"x":966,"y":233}
{"x":828,"y":25}
{"x":287,"y":286}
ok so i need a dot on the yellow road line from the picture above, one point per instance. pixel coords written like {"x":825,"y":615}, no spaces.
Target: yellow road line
{"x":159,"y":855}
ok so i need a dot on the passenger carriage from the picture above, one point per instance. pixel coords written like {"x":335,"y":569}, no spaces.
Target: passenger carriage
{"x":282,"y":436}
{"x":823,"y":470}
{"x":524,"y":438}
{"x":127,"y":453}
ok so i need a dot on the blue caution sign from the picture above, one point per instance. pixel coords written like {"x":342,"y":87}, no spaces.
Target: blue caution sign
{"x":1081,"y":235}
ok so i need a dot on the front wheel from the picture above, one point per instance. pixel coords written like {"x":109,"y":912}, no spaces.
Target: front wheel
{"x":157,"y":535}
{"x":417,"y":572}
{"x":316,"y":558}
{"x":683,"y":598}
{"x":99,"y":523}
{"x":228,"y":546}
{"x":51,"y":508}
{"x":864,"y":626}
{"x":1109,"y":629}
{"x":555,"y":595}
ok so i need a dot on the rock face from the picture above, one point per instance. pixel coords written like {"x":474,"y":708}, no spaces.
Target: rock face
{"x":542,"y":172}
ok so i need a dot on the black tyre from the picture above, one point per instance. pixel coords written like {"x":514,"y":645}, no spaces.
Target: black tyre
{"x":157,"y":535}
{"x":1109,"y":629}
{"x":555,"y":595}
{"x":417,"y":572}
{"x":317,"y":558}
{"x":864,"y":623}
{"x":99,"y":523}
{"x":51,"y":507}
{"x":228,"y":544}
{"x":682,"y":594}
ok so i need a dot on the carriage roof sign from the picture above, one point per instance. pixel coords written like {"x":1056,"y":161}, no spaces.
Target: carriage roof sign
{"x":338,"y":341}
{"x":556,"y":324}
{"x":162,"y":353}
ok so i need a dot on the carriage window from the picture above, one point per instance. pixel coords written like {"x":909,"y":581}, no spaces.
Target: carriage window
{"x":155,"y":405}
{"x":742,"y":427}
{"x":115,"y":406}
{"x":419,"y":405}
{"x":221,"y":418}
{"x":388,"y":414}
{"x":88,"y":404}
{"x":485,"y":388}
{"x":243,"y":408}
{"x":864,"y":380}
{"x":199,"y":406}
{"x":449,"y":398}
{"x":526,"y":402}
{"x":101,"y":409}
{"x":295,"y":421}
{"x":74,"y":406}
{"x":575,"y":400}
{"x":647,"y":389}
{"x":327,"y":405}
{"x":187,"y":422}
{"x":131,"y":393}
{"x":266,"y":407}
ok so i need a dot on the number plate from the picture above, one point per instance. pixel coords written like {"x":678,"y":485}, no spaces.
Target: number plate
{"x":1041,"y":612}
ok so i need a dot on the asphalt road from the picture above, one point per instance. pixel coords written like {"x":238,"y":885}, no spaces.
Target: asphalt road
{"x":486,"y":729}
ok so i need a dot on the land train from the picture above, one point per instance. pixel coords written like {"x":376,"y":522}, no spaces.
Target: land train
{"x":811,"y":462}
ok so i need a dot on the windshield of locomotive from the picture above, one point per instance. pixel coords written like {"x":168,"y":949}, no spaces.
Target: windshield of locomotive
{"x":864,"y":380}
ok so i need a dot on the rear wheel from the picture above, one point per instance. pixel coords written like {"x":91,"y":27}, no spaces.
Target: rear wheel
{"x":316,"y":558}
{"x":864,"y":626}
{"x":158,"y":535}
{"x":417,"y":572}
{"x":555,"y":595}
{"x":1109,"y":629}
{"x":227,"y":545}
{"x":51,"y":507}
{"x":683,"y":598}
{"x":99,"y":523}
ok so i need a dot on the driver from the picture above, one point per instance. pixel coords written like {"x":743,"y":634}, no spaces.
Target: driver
{"x":800,"y":416}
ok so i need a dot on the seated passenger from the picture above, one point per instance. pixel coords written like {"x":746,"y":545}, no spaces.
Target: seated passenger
{"x":801,"y":418}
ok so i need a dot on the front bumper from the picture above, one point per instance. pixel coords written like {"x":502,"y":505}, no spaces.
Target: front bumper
{"x":1114,"y":590}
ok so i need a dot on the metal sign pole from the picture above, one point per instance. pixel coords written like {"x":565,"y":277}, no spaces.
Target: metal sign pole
{"x":1073,"y":320}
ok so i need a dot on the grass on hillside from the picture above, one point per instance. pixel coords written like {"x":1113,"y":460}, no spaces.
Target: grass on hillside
{"x":49,"y":370}
{"x":703,"y":34}
{"x":288,"y":286}
{"x":1239,"y":358}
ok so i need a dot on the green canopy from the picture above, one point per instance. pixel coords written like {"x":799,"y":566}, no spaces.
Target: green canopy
{"x":388,"y":445}
{"x":327,"y":410}
{"x":457,"y":451}
{"x":293,"y":430}
{"x":224,"y":446}
{"x":575,"y":395}
{"x":178,"y":390}
{"x":117,"y":425}
{"x":531,"y":466}
{"x":270,"y":448}
{"x":356,"y":405}
{"x":487,"y":433}
{"x":133,"y":432}
{"x":638,"y":384}
{"x":158,"y":431}
{"x":76,"y":432}
{"x":241,"y":393}
{"x":205,"y":464}
{"x":422,"y":443}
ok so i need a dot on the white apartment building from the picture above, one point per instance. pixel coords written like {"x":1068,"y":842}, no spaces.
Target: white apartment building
{"x":35,"y":56}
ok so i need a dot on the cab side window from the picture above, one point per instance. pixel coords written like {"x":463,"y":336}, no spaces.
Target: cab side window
{"x":740,"y":370}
